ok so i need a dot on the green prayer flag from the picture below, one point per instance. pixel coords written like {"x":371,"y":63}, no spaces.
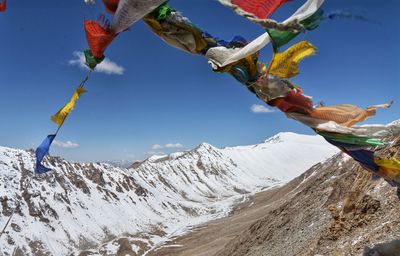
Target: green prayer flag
{"x":352,"y":139}
{"x":280,"y":38}
{"x":92,"y":61}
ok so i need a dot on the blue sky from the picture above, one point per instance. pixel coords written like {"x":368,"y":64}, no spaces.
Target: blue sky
{"x":167,"y":97}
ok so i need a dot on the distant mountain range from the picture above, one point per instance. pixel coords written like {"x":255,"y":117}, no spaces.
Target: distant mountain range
{"x":119,"y":163}
{"x":100,"y":209}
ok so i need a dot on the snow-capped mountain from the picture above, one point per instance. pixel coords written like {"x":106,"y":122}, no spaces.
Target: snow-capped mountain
{"x":119,"y":163}
{"x":98,"y":209}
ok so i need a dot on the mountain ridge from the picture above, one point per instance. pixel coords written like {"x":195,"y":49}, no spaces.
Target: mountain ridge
{"x":136,"y":208}
{"x":334,"y":208}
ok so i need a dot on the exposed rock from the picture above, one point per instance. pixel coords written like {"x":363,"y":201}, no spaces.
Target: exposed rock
{"x":333,"y":209}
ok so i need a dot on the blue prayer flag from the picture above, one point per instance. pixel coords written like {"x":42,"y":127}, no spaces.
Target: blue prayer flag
{"x":41,"y":152}
{"x":363,"y":156}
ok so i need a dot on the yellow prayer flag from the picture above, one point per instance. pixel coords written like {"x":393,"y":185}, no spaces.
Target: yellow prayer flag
{"x":392,"y":164}
{"x":389,"y":168}
{"x":285,"y":64}
{"x":60,"y":116}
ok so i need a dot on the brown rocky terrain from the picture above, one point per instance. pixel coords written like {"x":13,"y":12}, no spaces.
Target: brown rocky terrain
{"x":334,"y":209}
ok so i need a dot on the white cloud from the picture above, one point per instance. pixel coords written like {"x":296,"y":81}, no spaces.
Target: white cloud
{"x":167,"y":146}
{"x":172,"y":145}
{"x":256,"y":108}
{"x":106,"y":66}
{"x":156,"y":146}
{"x":66,"y":144}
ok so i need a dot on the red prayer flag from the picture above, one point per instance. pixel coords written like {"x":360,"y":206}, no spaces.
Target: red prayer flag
{"x":262,"y":9}
{"x":99,"y":37}
{"x":111,"y":5}
{"x":293,"y":102}
{"x":3,"y":6}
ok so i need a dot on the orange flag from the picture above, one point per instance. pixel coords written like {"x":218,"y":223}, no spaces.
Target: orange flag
{"x":345,"y":114}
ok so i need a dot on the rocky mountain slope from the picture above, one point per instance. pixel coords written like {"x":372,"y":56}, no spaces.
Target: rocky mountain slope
{"x":98,"y":209}
{"x":333,"y":209}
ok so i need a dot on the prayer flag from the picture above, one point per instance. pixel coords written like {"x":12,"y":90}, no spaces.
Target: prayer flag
{"x":60,"y":116}
{"x":41,"y":152}
{"x":285,"y":64}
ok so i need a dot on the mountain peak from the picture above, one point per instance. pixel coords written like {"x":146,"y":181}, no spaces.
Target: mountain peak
{"x":280,"y":137}
{"x":205,"y":148}
{"x":205,"y":145}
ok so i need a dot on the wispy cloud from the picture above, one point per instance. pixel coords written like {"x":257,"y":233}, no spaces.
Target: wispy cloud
{"x":167,"y":146}
{"x":257,"y":108}
{"x":66,"y":144}
{"x":106,"y":66}
{"x":156,"y":147}
{"x":174,"y":145}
